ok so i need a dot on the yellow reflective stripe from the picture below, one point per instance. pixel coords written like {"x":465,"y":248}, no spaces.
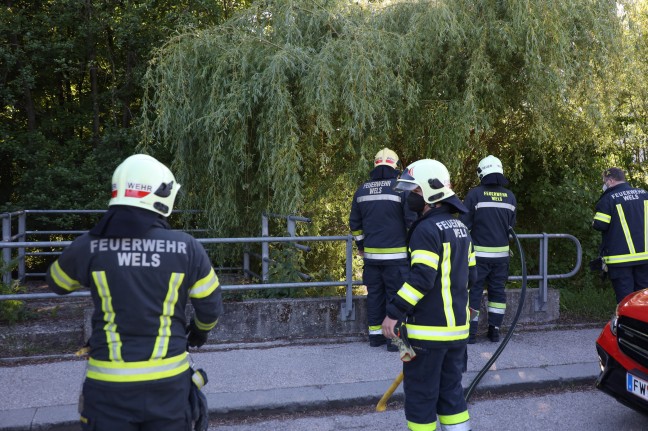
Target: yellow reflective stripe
{"x":491,"y":249}
{"x":646,"y":225}
{"x":602,"y":217}
{"x":205,"y":286}
{"x":139,"y":371}
{"x":375,"y":328}
{"x":623,"y":258}
{"x":61,"y":279}
{"x":446,"y":284}
{"x":496,"y":307}
{"x":386,"y":250}
{"x":110,"y":328}
{"x":205,"y":326}
{"x":168,"y":309}
{"x":437,"y":333}
{"x":472,"y":260}
{"x":356,"y":232}
{"x":425,"y":257}
{"x":626,"y":229}
{"x":456,"y":422}
{"x":421,"y":427}
{"x":409,"y":294}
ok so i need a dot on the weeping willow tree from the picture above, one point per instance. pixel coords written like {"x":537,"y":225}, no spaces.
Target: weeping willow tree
{"x":282,"y":107}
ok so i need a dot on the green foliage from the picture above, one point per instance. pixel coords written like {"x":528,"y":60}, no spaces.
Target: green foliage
{"x":12,"y":311}
{"x":589,"y":304}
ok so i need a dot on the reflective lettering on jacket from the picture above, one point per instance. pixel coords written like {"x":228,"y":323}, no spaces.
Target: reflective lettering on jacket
{"x":138,"y":323}
{"x":378,"y":220}
{"x":622,"y":217}
{"x":435,"y":293}
{"x":491,"y":211}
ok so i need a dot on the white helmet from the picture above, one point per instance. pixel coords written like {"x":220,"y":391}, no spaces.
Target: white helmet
{"x":431,"y":176}
{"x":141,"y":181}
{"x":489,"y":165}
{"x":386,"y":157}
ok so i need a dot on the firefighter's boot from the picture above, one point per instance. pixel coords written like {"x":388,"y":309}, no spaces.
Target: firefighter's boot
{"x":472,"y":335}
{"x":377,"y":340}
{"x":493,"y":333}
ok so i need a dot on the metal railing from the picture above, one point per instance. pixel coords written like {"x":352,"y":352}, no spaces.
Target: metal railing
{"x":11,"y":241}
{"x":543,"y":277}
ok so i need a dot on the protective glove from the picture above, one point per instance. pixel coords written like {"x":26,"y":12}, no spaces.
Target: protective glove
{"x":195,"y":337}
{"x":198,"y":401}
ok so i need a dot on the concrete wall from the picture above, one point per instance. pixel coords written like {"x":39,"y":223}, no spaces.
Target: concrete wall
{"x":276,"y":319}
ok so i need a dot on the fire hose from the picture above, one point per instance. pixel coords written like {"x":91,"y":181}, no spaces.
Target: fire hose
{"x":382,"y":404}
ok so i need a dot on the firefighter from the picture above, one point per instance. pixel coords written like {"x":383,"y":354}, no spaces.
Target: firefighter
{"x":622,"y":217}
{"x":379,"y":220}
{"x":140,"y":274}
{"x":491,"y":212}
{"x":430,"y":310}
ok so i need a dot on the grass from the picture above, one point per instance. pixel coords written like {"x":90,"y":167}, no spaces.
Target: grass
{"x":590,"y":304}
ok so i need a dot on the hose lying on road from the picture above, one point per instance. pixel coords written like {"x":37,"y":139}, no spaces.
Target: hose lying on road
{"x":482,"y":372}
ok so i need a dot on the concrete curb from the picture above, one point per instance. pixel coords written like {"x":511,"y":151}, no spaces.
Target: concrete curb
{"x":322,"y":397}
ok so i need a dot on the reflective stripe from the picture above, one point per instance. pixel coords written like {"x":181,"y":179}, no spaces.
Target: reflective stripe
{"x":495,"y":205}
{"x":456,"y":422}
{"x":113,"y":340}
{"x":496,"y":307}
{"x":205,"y":326}
{"x":161,"y":345}
{"x":369,"y":198}
{"x":358,"y":235}
{"x":375,"y":330}
{"x":446,"y":284}
{"x":472,"y":261}
{"x":437,"y":333}
{"x":481,"y":251}
{"x":491,"y":249}
{"x":413,"y":426}
{"x":61,"y":279}
{"x":493,"y":255}
{"x":626,"y":229}
{"x":385,"y":256}
{"x":602,"y":217}
{"x":623,"y":258}
{"x":139,"y":371}
{"x":425,"y":257}
{"x":205,"y":286}
{"x":409,"y":294}
{"x":198,"y":379}
{"x":646,"y":225}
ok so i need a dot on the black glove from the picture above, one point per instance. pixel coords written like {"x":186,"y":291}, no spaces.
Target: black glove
{"x":195,"y":337}
{"x":198,"y":401}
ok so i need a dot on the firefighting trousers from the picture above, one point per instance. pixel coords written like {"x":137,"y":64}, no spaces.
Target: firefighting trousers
{"x":382,"y":281}
{"x":432,"y":385}
{"x":493,"y":276}
{"x":628,"y":279}
{"x":159,"y":405}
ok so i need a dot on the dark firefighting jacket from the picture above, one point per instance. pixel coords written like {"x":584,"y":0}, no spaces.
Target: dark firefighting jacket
{"x":140,"y":287}
{"x":434,"y":297}
{"x":621,"y":216}
{"x":379,"y":219}
{"x":491,"y":211}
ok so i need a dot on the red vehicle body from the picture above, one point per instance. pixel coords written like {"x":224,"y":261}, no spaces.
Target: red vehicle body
{"x":623,"y":353}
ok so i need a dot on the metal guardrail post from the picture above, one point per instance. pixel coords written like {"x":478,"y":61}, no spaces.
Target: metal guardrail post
{"x":543,"y":285}
{"x":347,"y":311}
{"x":22,"y":229}
{"x":246,"y":264}
{"x":6,"y":252}
{"x":265,"y":250}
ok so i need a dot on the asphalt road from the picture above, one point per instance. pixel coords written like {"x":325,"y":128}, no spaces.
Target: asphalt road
{"x":583,"y":408}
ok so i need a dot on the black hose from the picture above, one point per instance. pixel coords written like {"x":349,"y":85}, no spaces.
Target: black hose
{"x":501,"y":347}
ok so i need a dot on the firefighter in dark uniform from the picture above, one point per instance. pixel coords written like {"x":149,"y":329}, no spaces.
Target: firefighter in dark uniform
{"x":379,"y":220}
{"x":430,"y":310}
{"x":491,"y":212}
{"x":622,"y":217}
{"x":141,"y":275}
